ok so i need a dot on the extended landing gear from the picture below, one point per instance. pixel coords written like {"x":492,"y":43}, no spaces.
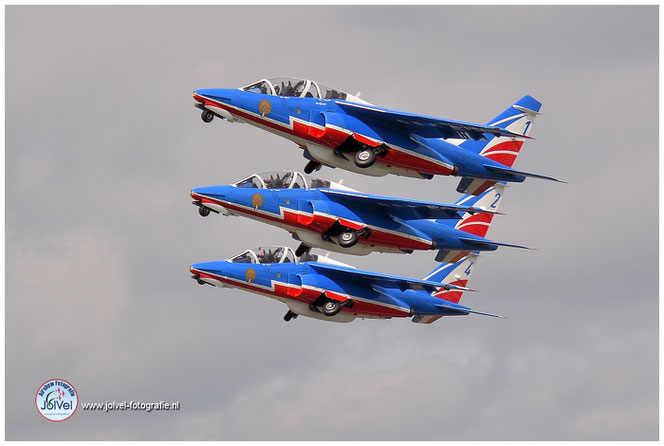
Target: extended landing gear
{"x":290,"y":315}
{"x":365,"y":158}
{"x":203,"y":211}
{"x":348,"y":239}
{"x":207,"y":116}
{"x":331,"y":308}
{"x":302,"y":249}
{"x":311,"y":166}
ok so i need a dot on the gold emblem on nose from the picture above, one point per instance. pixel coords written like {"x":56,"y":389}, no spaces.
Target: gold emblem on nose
{"x":257,"y":200}
{"x":264,"y":107}
{"x":250,"y":274}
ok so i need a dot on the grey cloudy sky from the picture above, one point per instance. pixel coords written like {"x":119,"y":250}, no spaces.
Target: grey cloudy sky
{"x":103,"y":145}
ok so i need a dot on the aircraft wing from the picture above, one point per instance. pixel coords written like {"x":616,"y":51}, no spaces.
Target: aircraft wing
{"x":419,"y":124}
{"x":382,"y":280}
{"x":405,"y":209}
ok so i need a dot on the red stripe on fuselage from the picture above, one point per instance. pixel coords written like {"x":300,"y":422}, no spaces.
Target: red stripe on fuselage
{"x":320,"y":224}
{"x":332,"y":138}
{"x":308,"y":295}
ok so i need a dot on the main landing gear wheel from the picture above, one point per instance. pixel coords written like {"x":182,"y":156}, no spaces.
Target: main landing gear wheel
{"x":207,"y":116}
{"x":365,"y":158}
{"x":290,"y":315}
{"x":348,"y":239}
{"x":331,"y":307}
{"x":311,"y":166}
{"x":203,"y":211}
{"x":302,"y":249}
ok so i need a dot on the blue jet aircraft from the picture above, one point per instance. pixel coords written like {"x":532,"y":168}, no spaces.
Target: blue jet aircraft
{"x":321,"y":288}
{"x":341,"y":130}
{"x":328,"y":215}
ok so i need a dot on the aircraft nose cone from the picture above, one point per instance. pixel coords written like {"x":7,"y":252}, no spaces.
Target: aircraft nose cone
{"x":216,"y":191}
{"x":197,"y":95}
{"x":216,"y":94}
{"x":207,"y":269}
{"x":204,"y":91}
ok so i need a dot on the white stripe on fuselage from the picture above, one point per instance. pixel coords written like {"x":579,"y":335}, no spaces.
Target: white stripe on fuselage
{"x":310,"y":215}
{"x":272,"y":288}
{"x":303,"y":141}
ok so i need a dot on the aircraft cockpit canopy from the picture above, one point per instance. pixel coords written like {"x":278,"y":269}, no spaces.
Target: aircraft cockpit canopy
{"x":265,"y":255}
{"x":274,"y":180}
{"x":299,"y":88}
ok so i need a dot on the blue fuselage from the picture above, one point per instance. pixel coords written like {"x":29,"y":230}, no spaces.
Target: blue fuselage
{"x":317,"y":124}
{"x":299,"y":282}
{"x":310,"y":211}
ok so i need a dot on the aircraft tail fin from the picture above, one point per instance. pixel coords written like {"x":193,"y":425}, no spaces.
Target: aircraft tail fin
{"x":517,"y":118}
{"x":478,"y":223}
{"x":456,"y":273}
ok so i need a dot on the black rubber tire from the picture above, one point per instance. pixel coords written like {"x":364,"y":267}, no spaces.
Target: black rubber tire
{"x":203,"y":211}
{"x":301,"y":250}
{"x":290,"y":315}
{"x":207,"y":116}
{"x":365,"y":158}
{"x":348,"y":239}
{"x":331,"y":307}
{"x":311,"y":166}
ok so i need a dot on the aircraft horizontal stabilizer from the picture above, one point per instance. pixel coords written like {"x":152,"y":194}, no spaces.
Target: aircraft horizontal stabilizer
{"x":492,"y":243}
{"x":464,"y":310}
{"x":508,"y":171}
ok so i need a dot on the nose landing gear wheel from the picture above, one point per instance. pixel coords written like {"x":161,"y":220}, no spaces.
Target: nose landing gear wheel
{"x":347,"y":239}
{"x":203,"y":211}
{"x":331,"y":307}
{"x":207,"y":116}
{"x":365,"y":158}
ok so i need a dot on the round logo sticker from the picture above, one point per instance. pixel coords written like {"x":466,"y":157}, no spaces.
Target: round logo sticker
{"x":56,"y":400}
{"x":256,"y":201}
{"x":250,"y":274}
{"x":264,"y":107}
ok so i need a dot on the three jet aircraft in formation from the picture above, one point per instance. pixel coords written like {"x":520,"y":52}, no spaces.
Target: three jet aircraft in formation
{"x":337,"y":129}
